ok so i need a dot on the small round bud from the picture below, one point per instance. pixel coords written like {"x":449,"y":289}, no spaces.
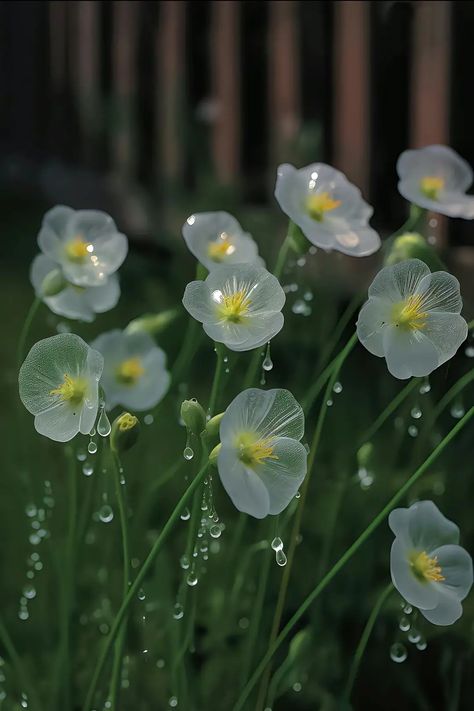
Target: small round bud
{"x":152,"y":323}
{"x":124,"y":433}
{"x":364,"y":454}
{"x":53,"y":283}
{"x":412,"y":245}
{"x":212,"y":427}
{"x":193,"y":416}
{"x":214,"y":454}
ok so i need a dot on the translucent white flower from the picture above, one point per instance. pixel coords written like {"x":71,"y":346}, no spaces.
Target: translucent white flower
{"x":329,"y":210}
{"x":59,"y":383}
{"x":412,"y":318}
{"x":135,"y":374}
{"x":85,"y":243}
{"x":429,"y":569}
{"x":75,"y":302}
{"x":436,"y":177}
{"x":261,"y":461}
{"x":217,"y":238}
{"x":238,"y":305}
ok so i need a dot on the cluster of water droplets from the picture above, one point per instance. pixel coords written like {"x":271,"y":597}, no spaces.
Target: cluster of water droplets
{"x":280,"y":556}
{"x":412,"y":635}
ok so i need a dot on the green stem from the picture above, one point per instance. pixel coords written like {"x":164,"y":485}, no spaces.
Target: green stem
{"x":19,"y":668}
{"x":391,"y":407}
{"x":339,"y":329}
{"x":322,"y":585}
{"x":361,"y":647}
{"x":135,"y":586}
{"x":119,"y":643}
{"x":213,"y":400}
{"x":339,"y":361}
{"x":188,"y":349}
{"x":25,"y":330}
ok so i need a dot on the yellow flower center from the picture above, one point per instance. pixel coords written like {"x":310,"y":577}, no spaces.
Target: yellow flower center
{"x":253,"y":450}
{"x":409,"y":315}
{"x":72,"y":390}
{"x":234,"y":307}
{"x":220,"y":248}
{"x":77,"y":250}
{"x":130,"y":371}
{"x":426,"y":569}
{"x":430,"y":186}
{"x":127,"y":422}
{"x":319,"y":203}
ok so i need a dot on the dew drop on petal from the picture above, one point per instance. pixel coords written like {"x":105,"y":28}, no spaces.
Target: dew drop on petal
{"x":398,"y":652}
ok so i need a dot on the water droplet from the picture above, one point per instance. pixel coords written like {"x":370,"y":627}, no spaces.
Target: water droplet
{"x":215,"y":531}
{"x":414,"y":636}
{"x":425,"y":388}
{"x":87,"y":469}
{"x":469,"y":351}
{"x":329,"y":403}
{"x":458,"y":410}
{"x":297,"y":686}
{"x":225,"y":359}
{"x":301,"y":261}
{"x":188,"y":453}
{"x":298,"y":495}
{"x":31,"y":510}
{"x":173,"y":702}
{"x":103,"y":425}
{"x":413,"y":431}
{"x":407,"y":609}
{"x":404,"y":624}
{"x":148,"y":419}
{"x":178,"y":611}
{"x":277,"y":544}
{"x":337,"y":388}
{"x":192,"y":579}
{"x":416,"y":413}
{"x":141,"y":594}
{"x":280,"y":558}
{"x":81,"y":455}
{"x":160,"y":663}
{"x":184,"y":562}
{"x":92,"y":447}
{"x":308,"y":296}
{"x":267,"y":364}
{"x":301,"y":308}
{"x":398,"y":652}
{"x":186,"y":514}
{"x":422,"y":644}
{"x":106,"y":513}
{"x":29,"y":592}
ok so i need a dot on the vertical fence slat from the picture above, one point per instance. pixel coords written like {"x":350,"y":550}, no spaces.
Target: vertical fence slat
{"x":88,"y":75}
{"x":352,"y":91}
{"x":169,"y":90}
{"x":284,"y":87}
{"x":225,"y":46}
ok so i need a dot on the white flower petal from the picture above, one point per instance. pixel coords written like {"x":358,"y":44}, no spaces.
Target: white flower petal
{"x":270,"y":413}
{"x":398,"y":281}
{"x":448,"y":610}
{"x":197,"y":301}
{"x":103,"y":298}
{"x":456,"y":568}
{"x":409,"y":353}
{"x":441,"y":292}
{"x":446,"y":331}
{"x":357,"y":240}
{"x":245,"y":488}
{"x":428,"y":528}
{"x":60,"y":423}
{"x":373,"y":319}
{"x":57,"y":219}
{"x":283,"y":476}
{"x":253,"y":333}
{"x":424,"y":595}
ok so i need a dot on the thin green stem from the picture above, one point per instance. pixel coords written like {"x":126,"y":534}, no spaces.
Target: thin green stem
{"x":217,"y":382}
{"x":119,"y":642}
{"x":20,"y":671}
{"x":25,"y":330}
{"x":187,"y":351}
{"x":391,"y":407}
{"x":361,"y":647}
{"x":339,"y":361}
{"x":135,"y":586}
{"x":349,"y":553}
{"x":339,"y":329}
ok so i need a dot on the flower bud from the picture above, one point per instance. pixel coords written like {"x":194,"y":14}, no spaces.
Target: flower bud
{"x":152,"y":323}
{"x":298,"y":242}
{"x":124,"y":433}
{"x":193,"y":416}
{"x":212,"y":427}
{"x":214,"y":454}
{"x":53,"y":283}
{"x":364,"y":454}
{"x":412,"y":245}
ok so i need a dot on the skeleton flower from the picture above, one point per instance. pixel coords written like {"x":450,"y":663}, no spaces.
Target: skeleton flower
{"x":429,"y":569}
{"x":436,"y":177}
{"x":261,"y":461}
{"x":75,"y":302}
{"x":238,"y":305}
{"x":59,"y":383}
{"x":412,"y":318}
{"x":85,"y":243}
{"x":135,"y":374}
{"x":328,"y":209}
{"x":217,"y":238}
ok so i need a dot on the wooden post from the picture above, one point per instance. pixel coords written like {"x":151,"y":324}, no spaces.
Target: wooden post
{"x":284,"y":88}
{"x":351,"y":91}
{"x":226,"y":89}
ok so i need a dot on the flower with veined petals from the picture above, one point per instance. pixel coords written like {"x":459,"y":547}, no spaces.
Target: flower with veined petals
{"x":217,"y":238}
{"x":238,"y":305}
{"x":261,"y":461}
{"x":59,"y":383}
{"x":328,"y":209}
{"x":412,"y":318}
{"x":429,"y":569}
{"x":75,"y":302}
{"x":135,"y":374}
{"x":436,"y":178}
{"x":85,"y":243}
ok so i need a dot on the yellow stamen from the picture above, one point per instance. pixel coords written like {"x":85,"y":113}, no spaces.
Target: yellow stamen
{"x":234,"y":307}
{"x":252,"y":450}
{"x":409,"y":315}
{"x":77,"y":250}
{"x":129,"y":371}
{"x":72,"y":390}
{"x":319,"y":203}
{"x":220,"y":248}
{"x":426,"y":569}
{"x":430,"y":186}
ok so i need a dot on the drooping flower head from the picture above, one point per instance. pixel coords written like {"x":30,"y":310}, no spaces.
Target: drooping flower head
{"x":261,"y":461}
{"x":135,"y":374}
{"x":436,"y":178}
{"x":328,"y":209}
{"x":217,"y":238}
{"x":59,"y":383}
{"x":75,"y":302}
{"x":412,"y":318}
{"x":238,"y":305}
{"x":429,"y":569}
{"x":86,"y":243}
